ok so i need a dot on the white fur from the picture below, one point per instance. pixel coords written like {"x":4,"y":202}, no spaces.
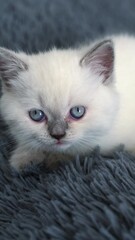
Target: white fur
{"x":122,"y":130}
{"x":63,"y":83}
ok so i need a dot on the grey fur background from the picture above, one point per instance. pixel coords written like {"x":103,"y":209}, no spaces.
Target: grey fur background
{"x":88,"y":199}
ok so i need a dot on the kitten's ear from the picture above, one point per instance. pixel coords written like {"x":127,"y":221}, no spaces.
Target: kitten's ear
{"x":100,"y":60}
{"x":10,"y":66}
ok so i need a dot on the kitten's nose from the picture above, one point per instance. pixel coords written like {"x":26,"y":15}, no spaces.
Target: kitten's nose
{"x":58,"y":136}
{"x":57,"y":129}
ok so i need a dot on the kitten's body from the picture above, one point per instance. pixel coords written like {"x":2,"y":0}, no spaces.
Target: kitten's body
{"x":123,"y":129}
{"x":57,"y":81}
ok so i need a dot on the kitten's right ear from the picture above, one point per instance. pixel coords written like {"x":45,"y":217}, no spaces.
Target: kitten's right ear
{"x":100,"y":60}
{"x":10,"y":66}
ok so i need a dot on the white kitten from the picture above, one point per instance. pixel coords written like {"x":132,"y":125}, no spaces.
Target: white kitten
{"x":71,"y":100}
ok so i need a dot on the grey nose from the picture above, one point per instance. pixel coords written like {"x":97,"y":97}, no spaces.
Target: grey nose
{"x":57,"y":129}
{"x":58,"y":136}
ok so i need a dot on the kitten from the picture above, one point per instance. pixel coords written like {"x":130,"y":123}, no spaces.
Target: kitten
{"x":69,"y":101}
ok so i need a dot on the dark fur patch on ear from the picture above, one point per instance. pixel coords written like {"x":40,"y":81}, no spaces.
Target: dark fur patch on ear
{"x":10,"y":66}
{"x":100,"y":59}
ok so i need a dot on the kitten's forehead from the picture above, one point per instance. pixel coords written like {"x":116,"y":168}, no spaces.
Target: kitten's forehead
{"x":56,"y":67}
{"x":55,"y":74}
{"x":57,"y":79}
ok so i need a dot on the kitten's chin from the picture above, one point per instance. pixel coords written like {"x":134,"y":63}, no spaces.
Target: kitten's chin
{"x":67,"y":148}
{"x":57,"y":147}
{"x":60,"y":147}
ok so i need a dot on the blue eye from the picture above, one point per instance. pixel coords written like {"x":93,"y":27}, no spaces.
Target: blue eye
{"x":77,"y":112}
{"x":37,"y":115}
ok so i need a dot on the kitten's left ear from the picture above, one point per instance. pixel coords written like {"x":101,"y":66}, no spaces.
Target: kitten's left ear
{"x":10,"y":66}
{"x":100,"y":60}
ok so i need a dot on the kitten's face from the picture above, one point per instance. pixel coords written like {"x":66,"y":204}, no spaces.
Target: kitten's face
{"x":57,"y":102}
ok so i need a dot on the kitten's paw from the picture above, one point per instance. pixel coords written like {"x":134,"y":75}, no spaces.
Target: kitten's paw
{"x":18,"y":162}
{"x":20,"y":159}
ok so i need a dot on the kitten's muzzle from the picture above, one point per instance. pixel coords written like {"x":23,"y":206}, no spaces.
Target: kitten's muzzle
{"x":57,"y":129}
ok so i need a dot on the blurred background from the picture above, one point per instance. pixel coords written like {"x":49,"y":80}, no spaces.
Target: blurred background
{"x":36,"y":25}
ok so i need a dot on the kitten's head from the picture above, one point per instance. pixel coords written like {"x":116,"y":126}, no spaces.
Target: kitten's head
{"x":62,"y":100}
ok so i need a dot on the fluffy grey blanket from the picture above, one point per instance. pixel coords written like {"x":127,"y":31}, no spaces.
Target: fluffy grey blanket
{"x":88,"y":199}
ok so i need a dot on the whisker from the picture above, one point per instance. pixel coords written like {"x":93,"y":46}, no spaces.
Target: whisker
{"x":87,"y":143}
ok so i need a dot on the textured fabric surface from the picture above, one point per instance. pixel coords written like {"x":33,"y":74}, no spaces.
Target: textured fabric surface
{"x":92,"y":198}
